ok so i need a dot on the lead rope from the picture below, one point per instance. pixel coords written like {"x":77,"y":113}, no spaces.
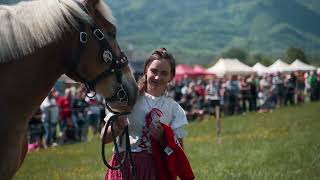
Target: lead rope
{"x":127,"y":153}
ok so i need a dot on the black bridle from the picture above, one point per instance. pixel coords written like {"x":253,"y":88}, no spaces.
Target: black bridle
{"x":116,"y":64}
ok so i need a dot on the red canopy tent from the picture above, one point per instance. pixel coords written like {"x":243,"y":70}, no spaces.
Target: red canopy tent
{"x":201,"y":71}
{"x":183,"y":70}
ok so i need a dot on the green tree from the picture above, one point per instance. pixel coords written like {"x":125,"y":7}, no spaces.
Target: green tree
{"x":315,"y":60}
{"x":263,"y":59}
{"x":266,"y":61}
{"x":238,"y":53}
{"x":294,"y":53}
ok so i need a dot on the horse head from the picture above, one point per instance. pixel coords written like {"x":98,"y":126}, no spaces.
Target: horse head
{"x":99,"y":63}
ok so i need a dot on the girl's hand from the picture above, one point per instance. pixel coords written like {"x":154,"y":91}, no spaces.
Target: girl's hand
{"x":120,"y":123}
{"x":156,"y":131}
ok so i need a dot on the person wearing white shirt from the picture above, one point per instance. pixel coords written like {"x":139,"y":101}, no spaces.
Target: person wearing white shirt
{"x":159,"y":70}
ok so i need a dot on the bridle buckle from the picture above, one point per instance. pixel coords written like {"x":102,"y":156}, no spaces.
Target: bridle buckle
{"x":99,"y":34}
{"x":83,"y":37}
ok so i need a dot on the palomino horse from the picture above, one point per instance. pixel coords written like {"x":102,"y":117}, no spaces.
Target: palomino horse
{"x":39,"y":41}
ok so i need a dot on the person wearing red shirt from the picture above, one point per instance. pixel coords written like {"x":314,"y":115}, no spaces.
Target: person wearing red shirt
{"x":64,"y":103}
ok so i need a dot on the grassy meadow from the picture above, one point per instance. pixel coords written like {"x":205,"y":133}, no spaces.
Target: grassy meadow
{"x":284,"y":144}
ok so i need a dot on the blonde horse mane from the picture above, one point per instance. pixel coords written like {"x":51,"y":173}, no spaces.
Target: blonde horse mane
{"x":34,"y":24}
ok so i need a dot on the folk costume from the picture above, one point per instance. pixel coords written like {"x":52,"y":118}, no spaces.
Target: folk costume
{"x":173,"y":116}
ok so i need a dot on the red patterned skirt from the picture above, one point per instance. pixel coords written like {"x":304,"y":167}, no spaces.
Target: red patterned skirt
{"x":144,"y":165}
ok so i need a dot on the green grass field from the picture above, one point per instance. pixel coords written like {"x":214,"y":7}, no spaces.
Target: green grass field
{"x":284,"y":144}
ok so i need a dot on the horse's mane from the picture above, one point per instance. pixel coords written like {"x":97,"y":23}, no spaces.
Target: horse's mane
{"x":34,"y":24}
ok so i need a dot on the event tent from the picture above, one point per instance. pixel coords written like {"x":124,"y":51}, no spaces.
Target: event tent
{"x":280,"y":66}
{"x":229,"y":67}
{"x":200,"y":70}
{"x":183,"y":70}
{"x":261,"y":69}
{"x":301,"y":66}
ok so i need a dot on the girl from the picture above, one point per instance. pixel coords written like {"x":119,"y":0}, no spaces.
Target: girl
{"x":159,"y":70}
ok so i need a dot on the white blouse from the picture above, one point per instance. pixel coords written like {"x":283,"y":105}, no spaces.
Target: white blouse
{"x":173,"y":116}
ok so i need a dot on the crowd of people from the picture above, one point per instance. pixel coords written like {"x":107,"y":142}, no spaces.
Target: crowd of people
{"x":238,"y":94}
{"x":66,"y":117}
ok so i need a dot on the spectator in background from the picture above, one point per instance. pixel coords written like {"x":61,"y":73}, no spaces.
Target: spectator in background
{"x":233,"y":88}
{"x":191,"y":98}
{"x":79,"y":112}
{"x":253,"y":82}
{"x":245,"y":93}
{"x":313,"y":83}
{"x":50,"y":118}
{"x":300,"y":88}
{"x":213,"y":98}
{"x":265,"y":94}
{"x":93,"y":113}
{"x":171,"y":91}
{"x":35,"y":132}
{"x":278,"y":88}
{"x":224,"y":102}
{"x":186,"y":106}
{"x":177,"y":91}
{"x":200,"y":88}
{"x":66,"y":124}
{"x":199,"y":99}
{"x":184,"y":89}
{"x":290,"y":84}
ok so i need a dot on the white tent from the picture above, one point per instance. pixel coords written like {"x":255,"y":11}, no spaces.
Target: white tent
{"x":261,"y":69}
{"x":280,"y":66}
{"x":301,"y":66}
{"x":229,"y":67}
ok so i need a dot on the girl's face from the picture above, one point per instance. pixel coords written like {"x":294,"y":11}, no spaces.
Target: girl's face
{"x":158,"y":75}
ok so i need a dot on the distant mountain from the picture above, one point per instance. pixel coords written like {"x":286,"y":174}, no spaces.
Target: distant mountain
{"x":203,"y":29}
{"x":199,"y":31}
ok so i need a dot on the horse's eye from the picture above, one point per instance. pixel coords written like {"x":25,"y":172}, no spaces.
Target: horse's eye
{"x":112,"y":34}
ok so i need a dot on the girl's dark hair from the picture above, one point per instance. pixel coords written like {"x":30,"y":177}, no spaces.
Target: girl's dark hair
{"x":159,"y":54}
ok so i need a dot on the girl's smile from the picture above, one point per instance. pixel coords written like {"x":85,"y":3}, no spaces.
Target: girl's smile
{"x":158,"y":75}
